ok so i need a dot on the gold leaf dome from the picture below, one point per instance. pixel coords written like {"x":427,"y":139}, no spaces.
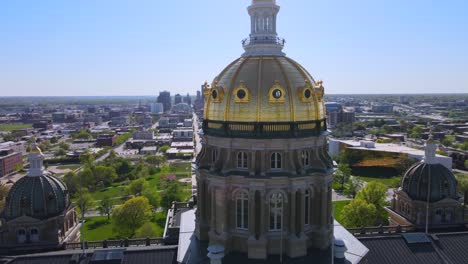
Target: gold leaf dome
{"x":264,"y":89}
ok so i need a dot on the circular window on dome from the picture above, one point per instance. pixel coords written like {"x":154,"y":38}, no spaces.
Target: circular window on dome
{"x":214,"y":94}
{"x":307,"y":94}
{"x":241,"y":94}
{"x":277,"y":93}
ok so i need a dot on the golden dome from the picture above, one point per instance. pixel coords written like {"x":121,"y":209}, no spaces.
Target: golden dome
{"x":263,"y":89}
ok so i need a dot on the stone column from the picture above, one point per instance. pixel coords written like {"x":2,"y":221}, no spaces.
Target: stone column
{"x":252,"y":213}
{"x":292,"y":216}
{"x":252,"y":164}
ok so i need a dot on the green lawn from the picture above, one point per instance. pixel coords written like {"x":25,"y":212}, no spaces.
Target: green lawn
{"x":338,"y":207}
{"x":390,"y":182}
{"x":69,"y":167}
{"x":99,"y":228}
{"x":11,"y":127}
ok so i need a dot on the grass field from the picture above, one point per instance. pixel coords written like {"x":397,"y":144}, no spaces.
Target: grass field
{"x":338,"y":208}
{"x":390,"y":182}
{"x":69,"y":167}
{"x":11,"y":127}
{"x":99,"y":228}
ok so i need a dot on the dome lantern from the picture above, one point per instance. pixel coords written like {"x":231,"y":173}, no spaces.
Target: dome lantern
{"x":263,"y":39}
{"x":36,"y":161}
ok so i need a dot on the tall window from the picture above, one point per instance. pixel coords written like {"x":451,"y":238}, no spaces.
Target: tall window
{"x":242,"y":210}
{"x":307,"y":207}
{"x":214,"y":155}
{"x":276,"y":212}
{"x":276,"y":160}
{"x":34,"y":235}
{"x":242,"y":160}
{"x":21,"y":236}
{"x":305,"y":158}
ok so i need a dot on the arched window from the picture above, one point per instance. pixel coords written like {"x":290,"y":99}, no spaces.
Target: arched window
{"x":34,"y":235}
{"x":242,"y":210}
{"x":307,"y":207}
{"x":242,"y":160}
{"x":276,"y":212}
{"x":305,"y":158}
{"x":214,"y":155}
{"x":276,"y":160}
{"x":21,"y":236}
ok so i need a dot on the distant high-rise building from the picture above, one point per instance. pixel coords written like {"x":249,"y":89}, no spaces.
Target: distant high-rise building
{"x":157,"y":108}
{"x":165,"y":99}
{"x":188,"y":99}
{"x":178,"y":99}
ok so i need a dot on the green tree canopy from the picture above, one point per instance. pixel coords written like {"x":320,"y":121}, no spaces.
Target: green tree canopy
{"x":131,"y":216}
{"x":136,"y":187}
{"x":105,"y":207}
{"x":85,"y":201}
{"x":359,"y":213}
{"x":342,"y":174}
{"x":374,"y":193}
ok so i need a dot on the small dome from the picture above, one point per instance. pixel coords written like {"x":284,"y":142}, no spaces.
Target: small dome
{"x":264,"y":89}
{"x":416,"y":182}
{"x":39,"y":197}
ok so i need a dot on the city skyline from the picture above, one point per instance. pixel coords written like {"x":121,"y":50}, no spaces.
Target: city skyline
{"x":122,"y":49}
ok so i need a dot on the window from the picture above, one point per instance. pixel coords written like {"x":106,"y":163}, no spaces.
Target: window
{"x":242,"y":160}
{"x":276,"y":212}
{"x":214,"y":155}
{"x":21,"y":236}
{"x":276,"y":160}
{"x":34,"y":235}
{"x":305,"y":158}
{"x":307,"y":207}
{"x":242,"y":210}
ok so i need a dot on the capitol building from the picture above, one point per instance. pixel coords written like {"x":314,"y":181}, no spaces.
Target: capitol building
{"x":264,"y":174}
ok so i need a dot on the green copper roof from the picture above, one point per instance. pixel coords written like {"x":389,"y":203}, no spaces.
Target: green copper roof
{"x":442,"y":182}
{"x":39,"y":197}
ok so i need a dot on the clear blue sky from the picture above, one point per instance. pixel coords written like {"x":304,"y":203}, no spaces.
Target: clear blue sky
{"x":139,"y":47}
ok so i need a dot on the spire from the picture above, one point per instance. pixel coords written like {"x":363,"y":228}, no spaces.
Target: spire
{"x":263,"y":39}
{"x":36,"y":161}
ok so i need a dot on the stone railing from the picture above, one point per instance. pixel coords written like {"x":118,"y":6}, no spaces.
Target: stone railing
{"x":378,"y":230}
{"x":116,"y":243}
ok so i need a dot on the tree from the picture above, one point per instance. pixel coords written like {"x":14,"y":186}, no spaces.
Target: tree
{"x":466,"y":164}
{"x":155,"y":160}
{"x":463,"y":186}
{"x":87,"y":159}
{"x":3,"y":194}
{"x":105,"y":207}
{"x":172,"y":193}
{"x":72,"y":181}
{"x":163,"y":149}
{"x":353,"y":187}
{"x":131,"y":215}
{"x":152,"y":195}
{"x":64,"y":145}
{"x":359,"y":213}
{"x":147,"y":230}
{"x":106,"y":175}
{"x":342,"y":174}
{"x":416,"y":132}
{"x":136,"y":187}
{"x":374,"y":193}
{"x":85,"y":201}
{"x":448,"y":141}
{"x":60,"y":152}
{"x":54,"y":140}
